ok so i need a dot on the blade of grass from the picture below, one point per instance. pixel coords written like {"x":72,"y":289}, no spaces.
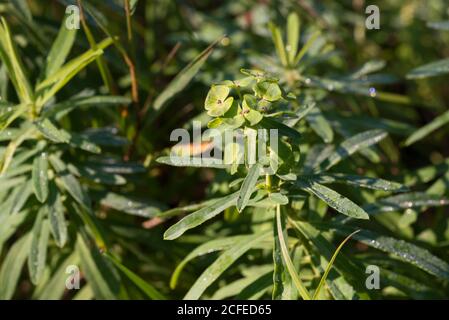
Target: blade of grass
{"x":329,"y":266}
{"x":288,"y":262}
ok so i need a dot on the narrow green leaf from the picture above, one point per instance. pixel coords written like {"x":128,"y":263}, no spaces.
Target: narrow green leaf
{"x":279,"y":272}
{"x":325,"y":249}
{"x":147,"y":288}
{"x":57,"y":135}
{"x":40,"y":177}
{"x":197,"y":218}
{"x":63,"y":108}
{"x":7,"y":157}
{"x":368,"y":67}
{"x":70,"y":183}
{"x":334,"y":199}
{"x":359,"y":181}
{"x":56,"y":81}
{"x":286,"y":256}
{"x":56,"y":286}
{"x":232,"y":289}
{"x":10,"y":57}
{"x":9,"y":225}
{"x":101,"y":277}
{"x":226,"y":259}
{"x":96,"y":175}
{"x":401,"y":249}
{"x":320,"y":125}
{"x":248,"y":186}
{"x":436,"y":123}
{"x":257,"y":289}
{"x":304,"y":111}
{"x":278,"y":43}
{"x":50,"y":131}
{"x":192,"y":162}
{"x":82,"y":142}
{"x":293,"y":29}
{"x":406,"y":201}
{"x":329,"y":266}
{"x":58,"y":225}
{"x":206,"y":248}
{"x":131,"y":206}
{"x":38,"y":250}
{"x":10,"y":113}
{"x":60,"y":48}
{"x":306,"y":46}
{"x":20,"y":196}
{"x":183,"y":78}
{"x":430,"y":70}
{"x":87,"y":218}
{"x":12,"y":267}
{"x":352,"y":145}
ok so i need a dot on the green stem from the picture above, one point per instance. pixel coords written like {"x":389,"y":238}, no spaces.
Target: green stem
{"x":268,"y":182}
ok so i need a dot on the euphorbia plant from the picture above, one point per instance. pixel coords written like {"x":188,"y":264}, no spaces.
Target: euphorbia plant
{"x":286,"y":198}
{"x":50,"y":177}
{"x":257,"y":102}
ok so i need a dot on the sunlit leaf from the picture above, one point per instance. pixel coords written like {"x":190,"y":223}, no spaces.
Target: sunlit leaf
{"x":334,"y":199}
{"x":199,"y":217}
{"x":40,"y":177}
{"x":248,"y":186}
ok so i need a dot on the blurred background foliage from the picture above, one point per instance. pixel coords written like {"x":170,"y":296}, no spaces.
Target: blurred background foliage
{"x":158,"y":38}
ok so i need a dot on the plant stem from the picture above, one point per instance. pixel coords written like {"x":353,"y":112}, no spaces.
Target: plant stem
{"x":268,"y":182}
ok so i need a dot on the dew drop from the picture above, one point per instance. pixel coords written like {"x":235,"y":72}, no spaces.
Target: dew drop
{"x":130,"y":203}
{"x":307,"y":81}
{"x":372,"y":92}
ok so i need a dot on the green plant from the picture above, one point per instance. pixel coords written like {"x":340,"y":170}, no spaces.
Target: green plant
{"x":46,"y":182}
{"x":286,"y":200}
{"x":85,"y":129}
